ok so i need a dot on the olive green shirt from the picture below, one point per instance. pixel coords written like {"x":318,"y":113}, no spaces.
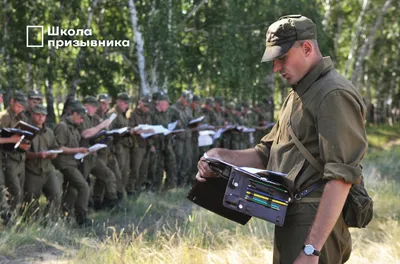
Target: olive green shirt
{"x":178,"y":112}
{"x":138,"y":117}
{"x":160,"y":118}
{"x":67,"y":135}
{"x":119,"y":122}
{"x":8,"y":119}
{"x":44,"y":140}
{"x":327,"y":116}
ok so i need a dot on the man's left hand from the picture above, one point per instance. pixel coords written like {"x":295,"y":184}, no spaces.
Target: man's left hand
{"x":302,"y":258}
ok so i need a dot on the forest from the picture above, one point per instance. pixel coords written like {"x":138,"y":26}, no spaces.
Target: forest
{"x":211,"y":47}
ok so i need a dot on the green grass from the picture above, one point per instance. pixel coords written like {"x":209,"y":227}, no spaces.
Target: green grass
{"x":379,"y":136}
{"x":166,"y":228}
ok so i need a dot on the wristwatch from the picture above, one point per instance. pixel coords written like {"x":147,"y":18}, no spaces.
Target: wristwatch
{"x":309,"y":250}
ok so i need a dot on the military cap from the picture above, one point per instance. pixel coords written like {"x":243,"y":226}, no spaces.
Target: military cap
{"x":282,"y":34}
{"x":230,"y":106}
{"x":187,"y":95}
{"x":209,"y":101}
{"x":103,"y":98}
{"x":39,"y":109}
{"x":19,"y":97}
{"x":77,"y":107}
{"x":160,"y":96}
{"x":124,"y":97}
{"x":91,"y":100}
{"x":33,"y":94}
{"x":220,"y":100}
{"x":146,"y":100}
{"x":196,"y":99}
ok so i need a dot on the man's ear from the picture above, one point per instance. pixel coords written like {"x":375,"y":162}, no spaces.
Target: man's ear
{"x":307,"y":48}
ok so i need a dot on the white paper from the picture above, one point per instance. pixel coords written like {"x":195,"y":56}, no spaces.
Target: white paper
{"x":205,"y":140}
{"x":157,"y":130}
{"x":174,"y":131}
{"x":93,"y":148}
{"x":205,"y":126}
{"x":54,"y":151}
{"x":206,"y":132}
{"x":218,"y":134}
{"x":197,"y":120}
{"x":172,"y":126}
{"x":119,"y":131}
{"x":248,"y":130}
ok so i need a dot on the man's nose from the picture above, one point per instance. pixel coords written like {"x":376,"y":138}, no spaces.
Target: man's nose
{"x":277,"y":66}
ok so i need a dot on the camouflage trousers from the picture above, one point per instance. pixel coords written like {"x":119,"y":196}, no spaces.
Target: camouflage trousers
{"x":183,"y":155}
{"x":139,"y":169}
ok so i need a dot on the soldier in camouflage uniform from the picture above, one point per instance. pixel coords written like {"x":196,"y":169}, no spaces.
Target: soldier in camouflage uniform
{"x":68,"y":137}
{"x":180,"y":112}
{"x":164,"y":158}
{"x":40,"y":173}
{"x":195,"y":113}
{"x":106,"y":154}
{"x":247,"y":117}
{"x":230,"y":119}
{"x":140,"y":152}
{"x":122,"y":145}
{"x":236,"y":136}
{"x":218,"y":119}
{"x":92,"y":164}
{"x":34,"y":98}
{"x":14,"y":160}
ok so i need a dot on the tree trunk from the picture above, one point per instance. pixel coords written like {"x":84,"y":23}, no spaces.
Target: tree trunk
{"x":369,"y":42}
{"x":139,"y":48}
{"x":355,"y":35}
{"x":51,"y":117}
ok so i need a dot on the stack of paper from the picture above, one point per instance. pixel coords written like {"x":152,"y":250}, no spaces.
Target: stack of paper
{"x":93,"y":148}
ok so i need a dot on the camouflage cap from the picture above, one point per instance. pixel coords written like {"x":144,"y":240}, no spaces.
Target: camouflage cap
{"x":196,"y":99}
{"x":230,"y":106}
{"x":77,"y":107}
{"x":209,"y":101}
{"x":282,"y":34}
{"x":160,"y":96}
{"x":33,"y":94}
{"x":124,"y":97}
{"x":91,"y":100}
{"x":146,"y":100}
{"x":103,"y":98}
{"x":187,"y":95}
{"x":220,"y":100}
{"x":19,"y":97}
{"x":39,"y":109}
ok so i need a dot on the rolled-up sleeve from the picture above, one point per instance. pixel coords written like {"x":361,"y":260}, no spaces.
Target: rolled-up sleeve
{"x":342,"y":136}
{"x":263,"y":148}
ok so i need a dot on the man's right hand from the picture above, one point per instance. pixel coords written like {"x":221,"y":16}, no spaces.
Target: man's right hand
{"x":83,"y":150}
{"x":203,"y":167}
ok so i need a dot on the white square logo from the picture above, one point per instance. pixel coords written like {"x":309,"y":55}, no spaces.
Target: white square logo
{"x":32,"y":30}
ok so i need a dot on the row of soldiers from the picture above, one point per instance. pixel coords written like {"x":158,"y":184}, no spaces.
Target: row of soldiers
{"x":129,"y":164}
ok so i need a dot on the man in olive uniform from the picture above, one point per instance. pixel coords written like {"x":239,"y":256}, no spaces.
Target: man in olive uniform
{"x":106,"y":155}
{"x":14,"y":161}
{"x":140,"y":152}
{"x":92,"y":164}
{"x":247,"y":117}
{"x":68,"y":138}
{"x":40,"y":173}
{"x":34,"y":98}
{"x":182,"y":146}
{"x":230,"y":119}
{"x":195,"y":113}
{"x":121,"y":145}
{"x":165,"y":156}
{"x":331,"y":129}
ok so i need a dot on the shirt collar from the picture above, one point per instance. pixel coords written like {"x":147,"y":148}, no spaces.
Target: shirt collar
{"x":321,"y":68}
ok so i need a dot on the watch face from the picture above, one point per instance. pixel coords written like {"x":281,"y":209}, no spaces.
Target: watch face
{"x":308,"y":250}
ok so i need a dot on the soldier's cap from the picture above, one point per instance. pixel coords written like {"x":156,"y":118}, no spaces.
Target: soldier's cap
{"x":220,"y":100}
{"x":196,"y":99}
{"x":188,"y":95}
{"x":146,"y":100}
{"x":39,"y":109}
{"x":103,"y":98}
{"x":33,"y":94}
{"x":91,"y":100}
{"x":19,"y":97}
{"x":282,"y":34}
{"x":230,"y":106}
{"x":160,"y":96}
{"x":124,"y":97}
{"x":209,"y":101}
{"x":77,"y":107}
